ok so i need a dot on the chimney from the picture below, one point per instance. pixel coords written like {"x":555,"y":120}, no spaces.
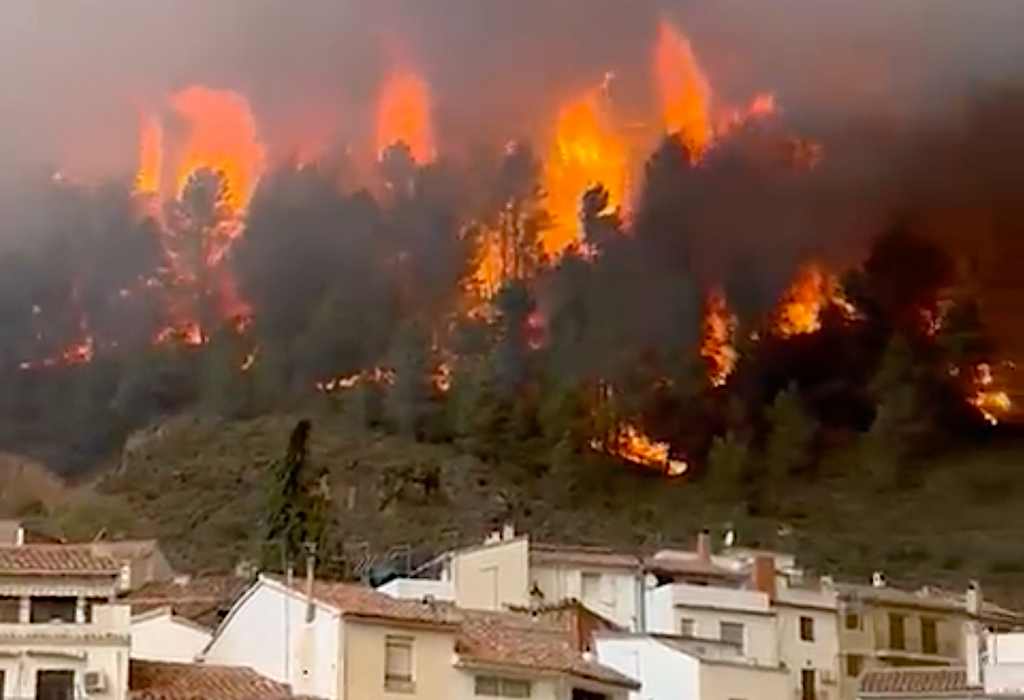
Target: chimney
{"x":972,"y":635}
{"x":508,"y":532}
{"x":762,"y":575}
{"x":704,"y":546}
{"x":878,"y":579}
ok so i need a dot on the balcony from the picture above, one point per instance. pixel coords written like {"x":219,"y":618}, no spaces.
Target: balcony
{"x":109,"y":623}
{"x":713,"y":597}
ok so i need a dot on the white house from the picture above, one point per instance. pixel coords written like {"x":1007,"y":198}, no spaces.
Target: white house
{"x":162,"y":635}
{"x":340,"y":641}
{"x":677,"y":668}
{"x":61,"y":637}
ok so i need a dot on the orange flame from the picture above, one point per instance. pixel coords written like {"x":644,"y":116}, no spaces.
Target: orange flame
{"x":717,"y":344}
{"x":631,"y":444}
{"x":802,"y":304}
{"x":220,"y":135}
{"x":990,"y":401}
{"x":586,"y":151}
{"x":151,"y":156}
{"x":404,"y":114}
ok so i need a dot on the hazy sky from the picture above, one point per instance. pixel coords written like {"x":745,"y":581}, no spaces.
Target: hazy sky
{"x":71,"y":69}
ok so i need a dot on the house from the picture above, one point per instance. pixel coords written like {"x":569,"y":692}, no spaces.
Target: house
{"x":511,"y":571}
{"x":882,"y":627}
{"x":154,"y":680}
{"x":174,"y":620}
{"x":759,"y":603}
{"x":18,"y":532}
{"x":61,"y":634}
{"x":673,"y":668}
{"x":335,"y":641}
{"x":143,"y":561}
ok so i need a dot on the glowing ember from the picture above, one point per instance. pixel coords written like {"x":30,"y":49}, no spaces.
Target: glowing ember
{"x":991,"y":401}
{"x":717,"y":344}
{"x":377,"y":375}
{"x":801,"y":306}
{"x":404,"y":114}
{"x":630,"y":444}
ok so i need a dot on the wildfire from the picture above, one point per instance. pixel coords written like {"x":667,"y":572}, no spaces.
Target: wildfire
{"x":587,"y":150}
{"x":151,"y":156}
{"x":802,"y":304}
{"x":377,"y":375}
{"x":717,"y":344}
{"x":688,"y":103}
{"x":629,"y":443}
{"x":987,"y":398}
{"x":404,"y":114}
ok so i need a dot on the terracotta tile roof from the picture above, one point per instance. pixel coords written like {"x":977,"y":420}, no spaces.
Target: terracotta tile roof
{"x":152,"y":680}
{"x":601,"y":557}
{"x":71,"y":559}
{"x":521,"y":641}
{"x":360,"y":601}
{"x":916,"y":682}
{"x":203,"y":600}
{"x":932,"y":598}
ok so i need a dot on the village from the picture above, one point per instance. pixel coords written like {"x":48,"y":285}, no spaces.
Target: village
{"x":507,"y":618}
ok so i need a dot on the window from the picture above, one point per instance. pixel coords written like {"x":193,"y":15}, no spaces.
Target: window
{"x":731,"y":633}
{"x":929,"y":636}
{"x":10,"y":609}
{"x":591,"y":585}
{"x":495,"y":687}
{"x":852,"y":621}
{"x":1,"y":684}
{"x":55,"y":685}
{"x":398,"y":664}
{"x":54,"y":609}
{"x":687,"y":627}
{"x":807,"y":684}
{"x":807,"y":629}
{"x":897,"y":638}
{"x":854,"y":665}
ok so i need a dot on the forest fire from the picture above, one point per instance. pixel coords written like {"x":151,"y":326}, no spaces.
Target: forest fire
{"x":991,"y":401}
{"x":632,"y":445}
{"x":404,"y":114}
{"x":803,"y":303}
{"x":717,"y":347}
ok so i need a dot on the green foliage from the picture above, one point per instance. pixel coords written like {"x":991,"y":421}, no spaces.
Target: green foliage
{"x":790,"y":437}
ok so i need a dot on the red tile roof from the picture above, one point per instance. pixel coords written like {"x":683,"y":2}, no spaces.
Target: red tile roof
{"x":916,"y":682}
{"x":521,"y":641}
{"x":152,"y":680}
{"x":360,"y":601}
{"x":600,"y":557}
{"x":50,"y":559}
{"x":203,"y":600}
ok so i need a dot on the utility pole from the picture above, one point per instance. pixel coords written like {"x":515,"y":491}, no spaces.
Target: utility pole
{"x":310,"y":578}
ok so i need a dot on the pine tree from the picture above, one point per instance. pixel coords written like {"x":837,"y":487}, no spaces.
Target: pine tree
{"x":787,"y":450}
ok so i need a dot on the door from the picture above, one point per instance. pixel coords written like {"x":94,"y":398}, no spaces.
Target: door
{"x":55,"y":685}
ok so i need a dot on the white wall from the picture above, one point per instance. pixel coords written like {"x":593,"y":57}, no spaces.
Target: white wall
{"x":664,"y":673}
{"x":614,"y":598}
{"x":163,"y":637}
{"x":492,"y":576}
{"x":418,"y":589}
{"x":267,"y":631}
{"x":737,"y":681}
{"x":822,"y":654}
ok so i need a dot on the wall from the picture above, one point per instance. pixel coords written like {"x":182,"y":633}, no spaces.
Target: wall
{"x":821,"y":654}
{"x":615,"y":598}
{"x":665,"y":673}
{"x":542,"y":687}
{"x":736,"y":681}
{"x":102,"y":645}
{"x":267,"y":631}
{"x":418,"y":589}
{"x":494,"y":576}
{"x":434,"y":672}
{"x":163,"y":637}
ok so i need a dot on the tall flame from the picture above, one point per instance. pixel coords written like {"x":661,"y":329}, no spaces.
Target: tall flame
{"x":586,"y":151}
{"x":220,"y":135}
{"x":151,"y":155}
{"x":404,"y":114}
{"x":717,"y":344}
{"x":800,"y":309}
{"x":684,"y":90}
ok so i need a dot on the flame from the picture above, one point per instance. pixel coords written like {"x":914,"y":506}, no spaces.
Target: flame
{"x":629,"y":443}
{"x":377,"y":375}
{"x":688,"y":103}
{"x":220,"y":135}
{"x":802,"y":304}
{"x":404,"y":114}
{"x":990,"y":401}
{"x":717,"y":344}
{"x":586,"y":151}
{"x":151,"y":156}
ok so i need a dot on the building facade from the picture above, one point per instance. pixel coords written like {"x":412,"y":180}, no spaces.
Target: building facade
{"x":62,"y":636}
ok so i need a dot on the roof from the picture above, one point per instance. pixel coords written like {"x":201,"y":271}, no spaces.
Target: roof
{"x":203,"y":600}
{"x":600,"y":557}
{"x":917,"y":682}
{"x":153,"y":680}
{"x":682,"y":563}
{"x":56,"y":559}
{"x":520,"y":641}
{"x":927,"y":597}
{"x":360,"y":601}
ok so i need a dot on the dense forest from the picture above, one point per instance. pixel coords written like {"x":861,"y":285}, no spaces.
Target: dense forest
{"x":426,"y":306}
